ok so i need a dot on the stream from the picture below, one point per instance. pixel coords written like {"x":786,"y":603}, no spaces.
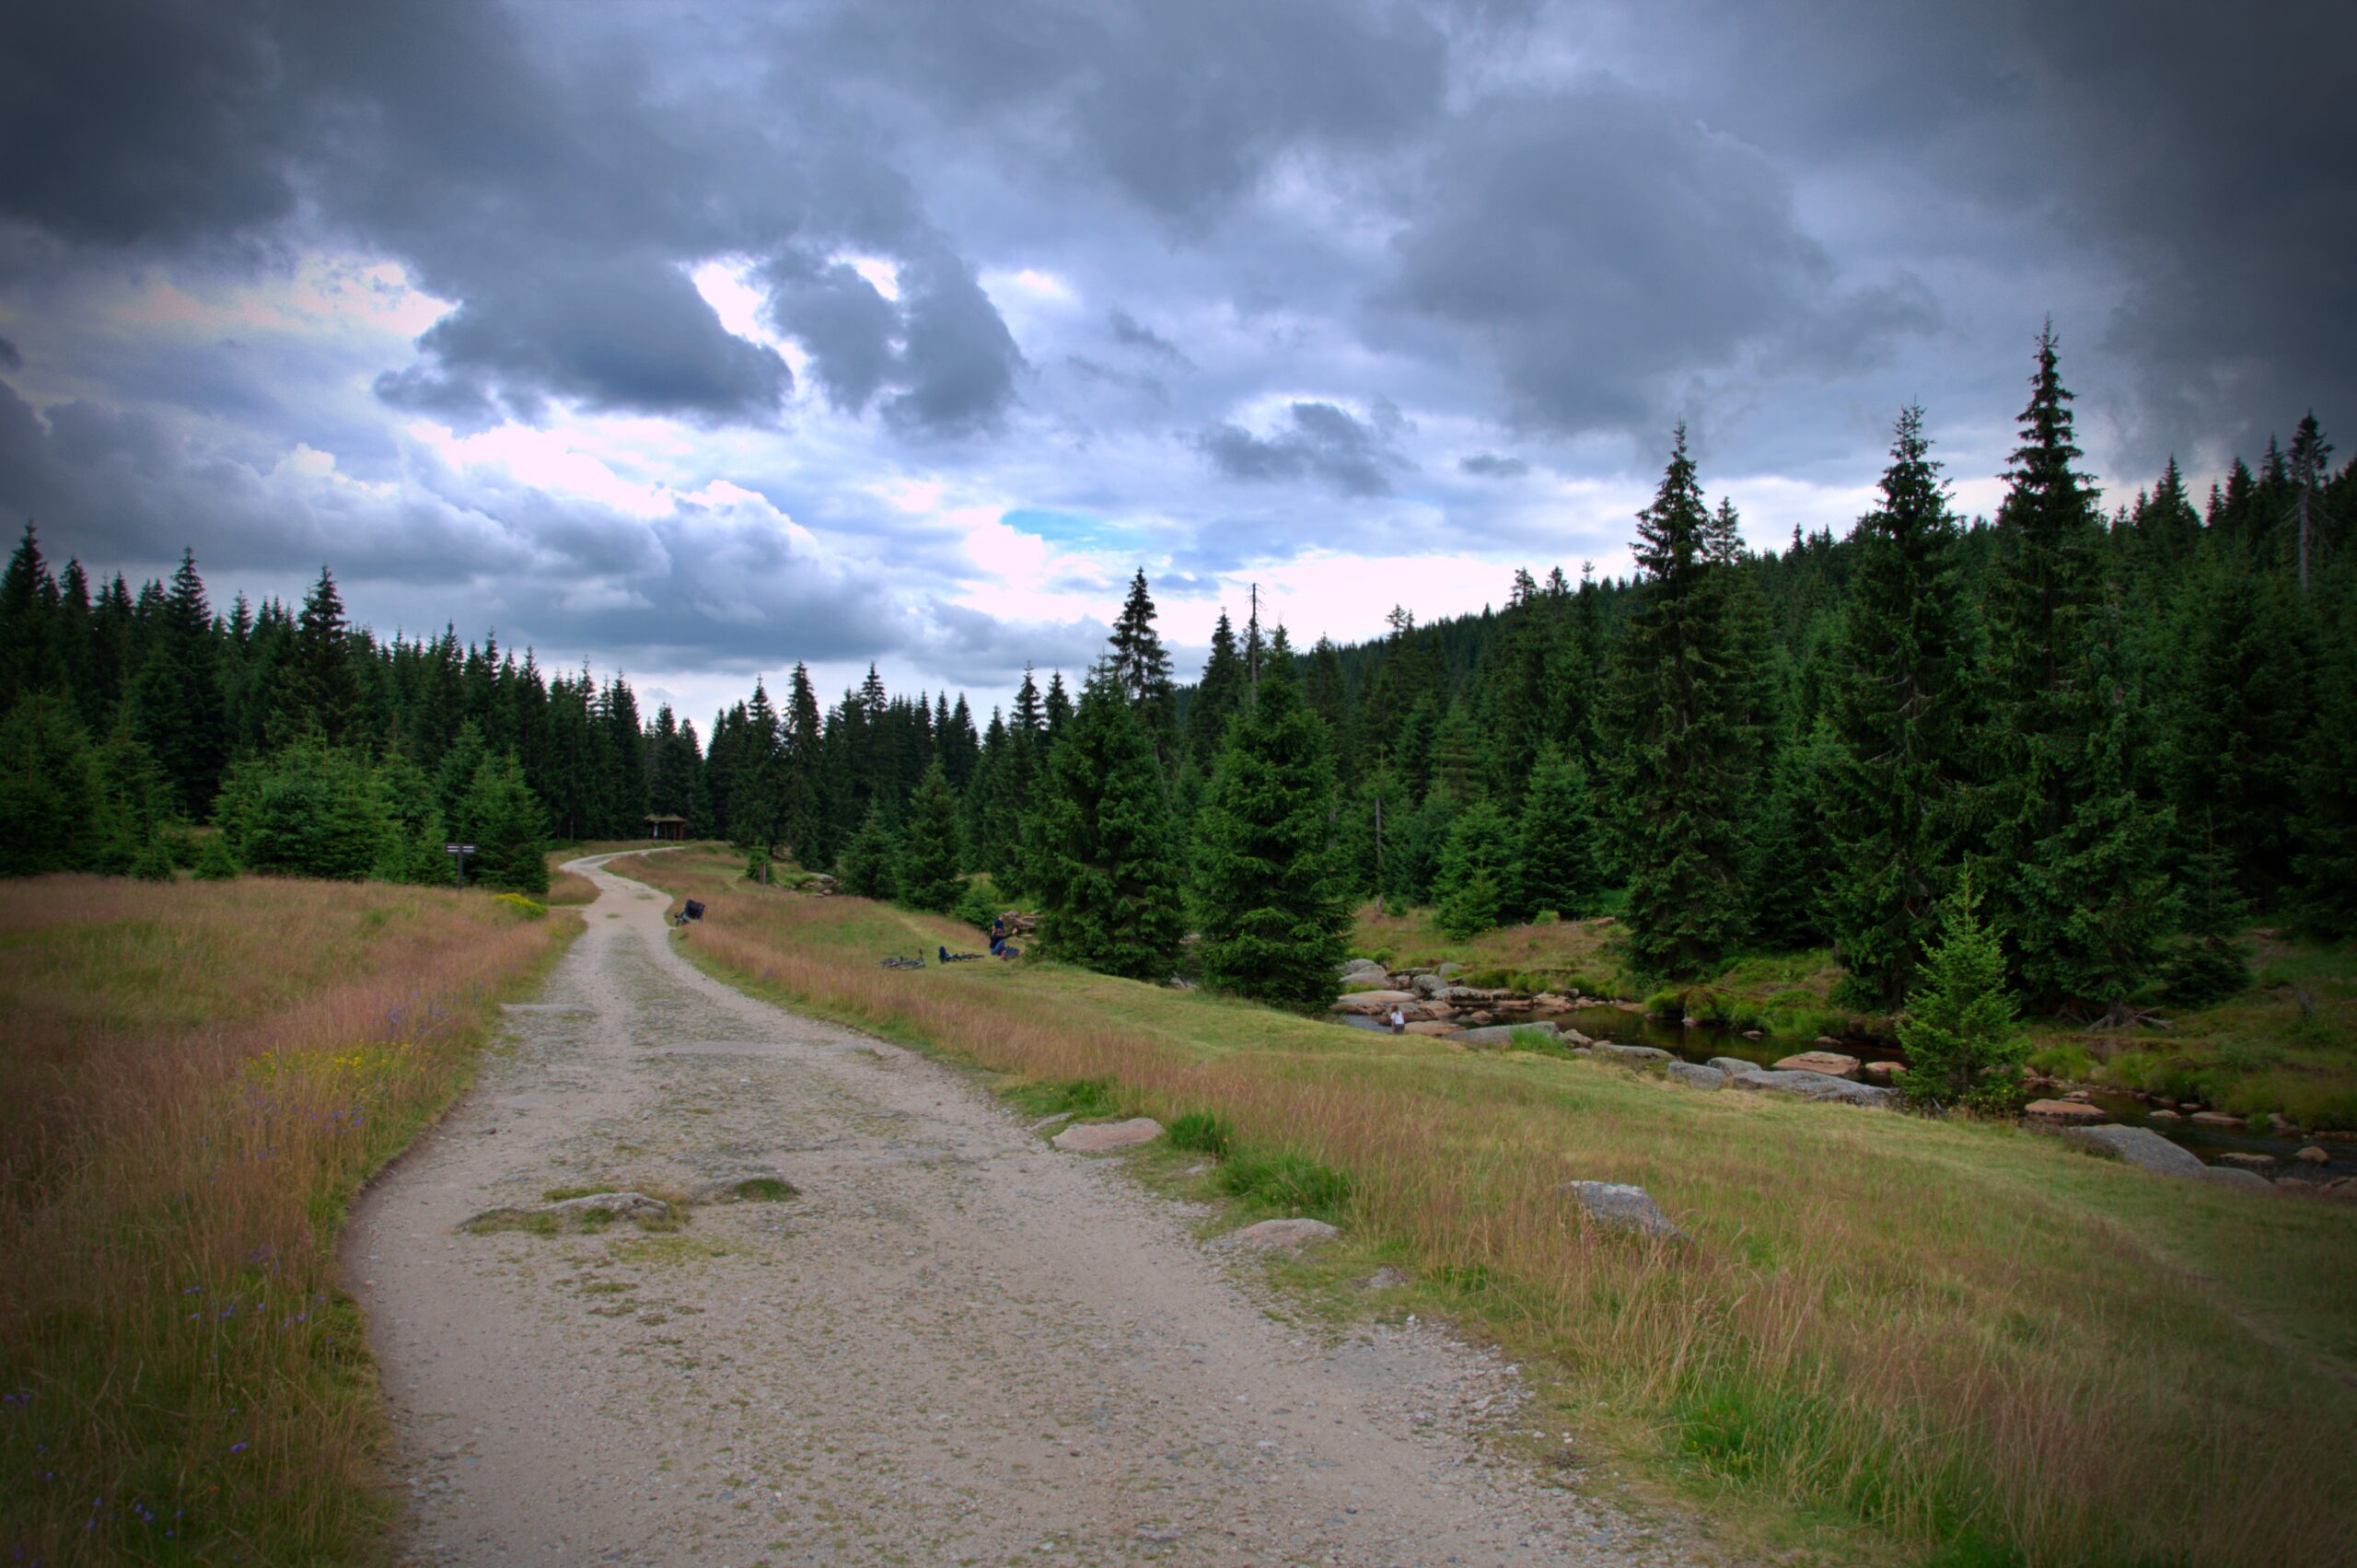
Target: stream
{"x":1705,"y":1040}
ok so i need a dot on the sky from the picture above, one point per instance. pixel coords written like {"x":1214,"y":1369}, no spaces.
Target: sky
{"x":693,"y":340}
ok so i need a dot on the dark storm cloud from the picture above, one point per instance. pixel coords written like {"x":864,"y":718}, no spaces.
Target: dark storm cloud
{"x":1320,"y":441}
{"x":1183,"y":106}
{"x":1605,"y":247}
{"x":1491,"y":465}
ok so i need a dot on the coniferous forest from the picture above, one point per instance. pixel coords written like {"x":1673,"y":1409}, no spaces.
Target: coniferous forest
{"x":2132,"y":718}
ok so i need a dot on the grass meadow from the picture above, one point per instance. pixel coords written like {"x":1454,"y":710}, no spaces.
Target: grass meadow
{"x":196,"y":1079}
{"x":1961,"y":1343}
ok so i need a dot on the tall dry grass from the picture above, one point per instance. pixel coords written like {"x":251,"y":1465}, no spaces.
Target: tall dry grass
{"x":1958,"y":1335}
{"x":197,"y":1078}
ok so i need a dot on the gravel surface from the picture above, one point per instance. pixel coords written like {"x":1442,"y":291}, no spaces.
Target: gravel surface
{"x":951,"y":1344}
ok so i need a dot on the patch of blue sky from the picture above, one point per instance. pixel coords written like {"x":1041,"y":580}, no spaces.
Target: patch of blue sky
{"x":1073,"y":529}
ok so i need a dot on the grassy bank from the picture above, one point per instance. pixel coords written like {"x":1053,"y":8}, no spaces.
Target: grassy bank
{"x":1968,"y":1337}
{"x":197,"y":1078}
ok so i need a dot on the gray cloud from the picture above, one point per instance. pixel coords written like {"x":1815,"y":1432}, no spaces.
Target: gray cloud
{"x":1491,"y":465}
{"x":1131,"y":333}
{"x":1320,"y":442}
{"x":1605,"y":247}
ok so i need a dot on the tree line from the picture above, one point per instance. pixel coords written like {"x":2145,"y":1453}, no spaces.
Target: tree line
{"x":2131,"y":727}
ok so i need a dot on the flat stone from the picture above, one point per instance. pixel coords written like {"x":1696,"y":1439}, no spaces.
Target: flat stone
{"x":619,"y":1204}
{"x":2062,"y":1110}
{"x":2169,"y":1116}
{"x":2248,"y":1161}
{"x":1104,"y":1137}
{"x":1283,"y":1236}
{"x":1502,"y":1034}
{"x":1374,"y":1001}
{"x":1634,"y":1052}
{"x":1834,"y":1063}
{"x":1884,"y":1071}
{"x":1811,"y":1086}
{"x":1730,"y":1065}
{"x":1695,"y":1075}
{"x":2140,"y":1147}
{"x":2313,"y":1155}
{"x":1755,"y":1034}
{"x":2229,"y":1176}
{"x":1828,"y":1041}
{"x":1432,"y":1027}
{"x":2215,"y":1119}
{"x":1612,"y":1205}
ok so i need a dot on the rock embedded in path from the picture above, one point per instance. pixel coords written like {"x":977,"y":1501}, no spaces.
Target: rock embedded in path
{"x":1106,"y":1137}
{"x":2062,"y":1110}
{"x":1283,"y":1236}
{"x":2140,"y":1147}
{"x":1832,"y":1063}
{"x":1695,"y":1075}
{"x":1612,"y":1205}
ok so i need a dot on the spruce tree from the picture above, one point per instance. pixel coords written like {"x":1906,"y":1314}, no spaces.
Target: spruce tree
{"x":1685,"y":908}
{"x":2325,"y":867}
{"x":1555,"y":859}
{"x":1217,"y":695}
{"x":1099,"y":849}
{"x":1790,"y":858}
{"x":2095,"y":896}
{"x":309,"y":810}
{"x":870,"y":862}
{"x":2046,"y":588}
{"x":504,"y":821}
{"x":48,"y":790}
{"x":933,"y":848}
{"x":1141,"y":668}
{"x":1267,"y":876}
{"x":1963,"y":1045}
{"x":1478,"y":877}
{"x":1902,"y":721}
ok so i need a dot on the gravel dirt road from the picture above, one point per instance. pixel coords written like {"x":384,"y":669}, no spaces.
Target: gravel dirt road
{"x":954,"y":1344}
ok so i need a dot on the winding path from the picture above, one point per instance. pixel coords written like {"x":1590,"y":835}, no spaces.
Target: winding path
{"x":955,"y":1345}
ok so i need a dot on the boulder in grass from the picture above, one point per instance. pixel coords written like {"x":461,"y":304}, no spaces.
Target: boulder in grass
{"x":2062,"y":1110}
{"x":1612,"y":1205}
{"x":1832,"y":1063}
{"x":2140,"y":1147}
{"x":1283,"y":1236}
{"x":1106,"y":1137}
{"x":1730,"y":1065}
{"x":1695,"y":1075}
{"x":1362,"y":968}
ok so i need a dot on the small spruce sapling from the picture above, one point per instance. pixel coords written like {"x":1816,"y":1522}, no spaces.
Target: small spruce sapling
{"x":1963,"y":1048}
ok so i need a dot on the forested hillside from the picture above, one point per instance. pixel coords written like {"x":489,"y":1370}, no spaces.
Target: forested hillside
{"x":2136,"y":715}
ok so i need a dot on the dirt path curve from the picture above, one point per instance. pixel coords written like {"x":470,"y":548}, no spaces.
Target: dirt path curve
{"x":957,"y":1345}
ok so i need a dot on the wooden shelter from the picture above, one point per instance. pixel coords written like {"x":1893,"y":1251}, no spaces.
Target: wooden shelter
{"x":665,"y":829}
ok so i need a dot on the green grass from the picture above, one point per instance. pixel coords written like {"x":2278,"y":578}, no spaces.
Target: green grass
{"x":196,"y":1081}
{"x":1943,"y":1331}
